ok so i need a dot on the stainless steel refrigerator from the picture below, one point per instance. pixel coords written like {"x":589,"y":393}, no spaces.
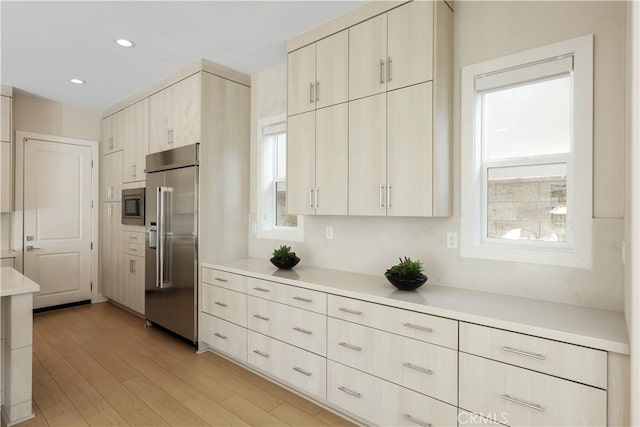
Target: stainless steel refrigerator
{"x":171,"y":217}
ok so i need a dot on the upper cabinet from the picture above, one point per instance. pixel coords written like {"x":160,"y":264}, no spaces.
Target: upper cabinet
{"x":388,"y":152}
{"x":6,"y":156}
{"x":113,"y":132}
{"x":136,"y":141}
{"x":175,"y":115}
{"x":391,"y":50}
{"x":317,"y":74}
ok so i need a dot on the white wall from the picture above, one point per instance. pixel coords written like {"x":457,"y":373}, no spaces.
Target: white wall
{"x":632,"y":205}
{"x":484,"y":30}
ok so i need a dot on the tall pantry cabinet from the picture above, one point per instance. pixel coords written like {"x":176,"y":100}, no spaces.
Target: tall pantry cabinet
{"x":203,"y":104}
{"x":397,"y":122}
{"x":6,"y":151}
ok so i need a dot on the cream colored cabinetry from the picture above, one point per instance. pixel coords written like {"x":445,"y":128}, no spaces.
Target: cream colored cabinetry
{"x":112,"y":176}
{"x":317,"y":155}
{"x":110,"y":249}
{"x":317,"y":74}
{"x":113,"y":132}
{"x":398,"y":157}
{"x":175,"y":115}
{"x":6,"y":155}
{"x":136,"y":141}
{"x":392,"y":50}
{"x":8,"y":262}
{"x":132,"y":265}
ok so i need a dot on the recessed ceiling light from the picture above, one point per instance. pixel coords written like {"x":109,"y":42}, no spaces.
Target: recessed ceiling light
{"x":125,"y":43}
{"x":77,"y":81}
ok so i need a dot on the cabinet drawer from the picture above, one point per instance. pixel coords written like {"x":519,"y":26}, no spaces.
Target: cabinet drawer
{"x":7,"y":262}
{"x":382,"y":402}
{"x":235,"y":282}
{"x":133,"y":243}
{"x":526,"y":398}
{"x":300,"y":368}
{"x":423,"y":327}
{"x":226,"y":304}
{"x":291,"y":295}
{"x":224,"y":336}
{"x":297,"y":327}
{"x":581,"y":364}
{"x":420,"y":366}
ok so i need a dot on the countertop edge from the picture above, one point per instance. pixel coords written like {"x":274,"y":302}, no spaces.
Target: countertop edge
{"x":599,"y":343}
{"x":9,"y":274}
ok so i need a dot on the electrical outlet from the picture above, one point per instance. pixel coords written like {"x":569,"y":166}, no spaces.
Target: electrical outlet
{"x":254,"y":228}
{"x":452,"y":240}
{"x":329,"y":233}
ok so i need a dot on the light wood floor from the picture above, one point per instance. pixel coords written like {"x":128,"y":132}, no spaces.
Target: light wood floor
{"x":98,"y":365}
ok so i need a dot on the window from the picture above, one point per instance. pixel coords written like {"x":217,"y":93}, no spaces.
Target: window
{"x":273,"y":220}
{"x":526,"y":145}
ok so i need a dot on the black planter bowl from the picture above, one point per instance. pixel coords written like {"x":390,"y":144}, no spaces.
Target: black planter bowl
{"x":405,"y":284}
{"x":287,"y":264}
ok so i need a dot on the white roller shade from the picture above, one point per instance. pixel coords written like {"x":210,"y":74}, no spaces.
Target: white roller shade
{"x":517,"y":75}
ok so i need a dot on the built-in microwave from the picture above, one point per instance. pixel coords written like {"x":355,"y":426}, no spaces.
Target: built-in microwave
{"x":133,"y":206}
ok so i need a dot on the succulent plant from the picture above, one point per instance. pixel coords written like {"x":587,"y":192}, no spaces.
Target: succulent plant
{"x":407,"y":268}
{"x":284,"y":253}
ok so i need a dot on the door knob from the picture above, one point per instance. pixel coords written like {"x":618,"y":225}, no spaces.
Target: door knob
{"x":31,"y":248}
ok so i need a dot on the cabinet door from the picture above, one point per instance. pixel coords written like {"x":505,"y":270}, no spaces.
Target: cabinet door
{"x":117,"y":132}
{"x":5,"y":122}
{"x":367,"y":155}
{"x":332,"y":165}
{"x":186,"y":112}
{"x":409,"y":151}
{"x":332,"y":70}
{"x":111,"y":251}
{"x":137,"y":281}
{"x":107,"y":135}
{"x":112,"y":176}
{"x":301,"y":173}
{"x":6,"y":175}
{"x":136,"y":141}
{"x":159,"y":120}
{"x":367,"y":57}
{"x":410,"y":53}
{"x":301,"y":80}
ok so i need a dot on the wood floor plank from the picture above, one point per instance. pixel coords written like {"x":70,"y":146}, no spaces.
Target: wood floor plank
{"x":332,"y":419}
{"x":250,"y":413}
{"x":174,"y":412}
{"x":38,"y":420}
{"x":295,"y":417}
{"x":51,"y":399}
{"x":212,"y":412}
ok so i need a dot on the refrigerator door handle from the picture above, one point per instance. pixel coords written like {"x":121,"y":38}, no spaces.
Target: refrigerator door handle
{"x":163,"y":259}
{"x":160,"y":243}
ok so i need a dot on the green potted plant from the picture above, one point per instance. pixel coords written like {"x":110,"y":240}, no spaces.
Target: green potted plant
{"x":284,"y":258}
{"x":406,"y":275}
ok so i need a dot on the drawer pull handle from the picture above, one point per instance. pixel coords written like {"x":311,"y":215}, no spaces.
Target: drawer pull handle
{"x":417,"y":368}
{"x":302,"y":371}
{"x":303,"y":299}
{"x":257,"y":316}
{"x":259,"y":353}
{"x":524,"y":353}
{"x":304,"y":331}
{"x":351,"y":392}
{"x":350,"y":346}
{"x":418,"y":327}
{"x":262,"y":289}
{"x":224,"y":337}
{"x":221,"y":304}
{"x":348,"y":310}
{"x":219,"y":279}
{"x":520,"y":402}
{"x":416,"y":421}
{"x":133,"y":238}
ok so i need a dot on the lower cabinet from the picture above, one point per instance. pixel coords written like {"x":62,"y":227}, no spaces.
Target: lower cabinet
{"x":385,"y":365}
{"x":132,"y":282}
{"x":110,"y":247}
{"x":302,"y":369}
{"x":383,"y":402}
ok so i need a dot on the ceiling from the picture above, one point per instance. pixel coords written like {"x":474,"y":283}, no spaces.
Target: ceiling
{"x":44,"y":44}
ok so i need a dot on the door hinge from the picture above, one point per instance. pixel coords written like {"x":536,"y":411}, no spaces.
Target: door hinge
{"x":92,"y":245}
{"x":91,"y":164}
{"x":92,"y":286}
{"x":92,"y":204}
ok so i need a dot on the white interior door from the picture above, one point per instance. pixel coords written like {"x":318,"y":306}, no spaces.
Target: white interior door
{"x":57,"y":221}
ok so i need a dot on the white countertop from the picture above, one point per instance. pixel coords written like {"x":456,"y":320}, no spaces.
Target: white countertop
{"x":14,"y":283}
{"x":7,"y":254}
{"x":589,"y":327}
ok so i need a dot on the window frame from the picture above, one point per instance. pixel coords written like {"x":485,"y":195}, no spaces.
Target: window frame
{"x":271,"y":231}
{"x":577,"y":251}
